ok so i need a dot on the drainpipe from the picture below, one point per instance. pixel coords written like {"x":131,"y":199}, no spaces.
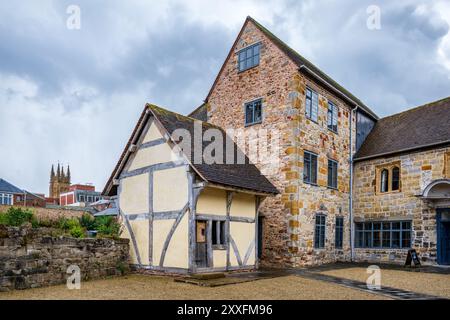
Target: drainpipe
{"x":350,"y":198}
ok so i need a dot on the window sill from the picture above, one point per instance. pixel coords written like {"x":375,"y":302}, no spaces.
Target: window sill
{"x":316,"y":122}
{"x":388,"y":192}
{"x":333,"y":188}
{"x":219,"y":247}
{"x":311,"y":183}
{"x":242,"y":71}
{"x":383,"y":248}
{"x":331,"y":130}
{"x":252,"y":124}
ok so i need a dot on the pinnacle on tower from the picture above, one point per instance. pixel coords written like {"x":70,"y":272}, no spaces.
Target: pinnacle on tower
{"x":52,"y":173}
{"x":58,"y":172}
{"x":68,"y":174}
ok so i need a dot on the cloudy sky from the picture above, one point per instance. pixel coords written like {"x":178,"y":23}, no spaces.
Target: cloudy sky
{"x":74,"y":95}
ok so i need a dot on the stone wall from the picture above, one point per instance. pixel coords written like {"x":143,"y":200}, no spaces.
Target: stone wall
{"x":417,"y":170}
{"x":32,"y":258}
{"x":289,"y":217}
{"x":49,"y":213}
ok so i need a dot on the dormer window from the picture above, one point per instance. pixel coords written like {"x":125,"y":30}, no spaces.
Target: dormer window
{"x":248,"y":57}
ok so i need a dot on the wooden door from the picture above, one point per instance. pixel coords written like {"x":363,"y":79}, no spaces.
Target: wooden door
{"x":201,"y":254}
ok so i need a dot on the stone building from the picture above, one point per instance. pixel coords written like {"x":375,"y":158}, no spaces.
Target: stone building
{"x":402,"y":187}
{"x":265,"y":85}
{"x":59,"y":181}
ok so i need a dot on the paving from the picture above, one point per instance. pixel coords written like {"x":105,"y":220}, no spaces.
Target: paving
{"x":313,"y":273}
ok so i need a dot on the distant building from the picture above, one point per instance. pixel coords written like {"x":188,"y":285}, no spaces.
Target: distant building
{"x":59,"y":181}
{"x":79,"y":195}
{"x":12,"y":195}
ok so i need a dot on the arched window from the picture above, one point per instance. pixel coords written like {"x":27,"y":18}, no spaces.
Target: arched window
{"x":395,"y":178}
{"x":384,"y":180}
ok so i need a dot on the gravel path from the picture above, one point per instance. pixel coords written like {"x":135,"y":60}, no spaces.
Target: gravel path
{"x":154,"y":287}
{"x":428,"y":283}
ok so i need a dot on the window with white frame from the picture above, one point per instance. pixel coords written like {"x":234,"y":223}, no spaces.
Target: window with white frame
{"x":312,"y":104}
{"x":332,"y":117}
{"x":6,"y":199}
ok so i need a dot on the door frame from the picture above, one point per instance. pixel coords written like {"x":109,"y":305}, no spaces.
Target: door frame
{"x":439,"y":229}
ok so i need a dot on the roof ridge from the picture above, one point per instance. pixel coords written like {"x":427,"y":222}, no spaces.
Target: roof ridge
{"x":429,"y":104}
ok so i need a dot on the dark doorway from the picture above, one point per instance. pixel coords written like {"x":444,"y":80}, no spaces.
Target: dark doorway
{"x":201,"y":252}
{"x":443,"y":236}
{"x":260,"y":236}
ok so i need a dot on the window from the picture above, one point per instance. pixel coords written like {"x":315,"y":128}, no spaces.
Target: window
{"x":218,"y":233}
{"x":332,"y":174}
{"x":388,"y":177}
{"x":384,"y":180}
{"x":332,"y":117}
{"x":81,"y":198}
{"x":312,"y":104}
{"x":253,"y":112}
{"x":447,"y":165}
{"x":319,"y":235}
{"x":391,"y":234}
{"x":395,"y":178}
{"x":6,"y":199}
{"x":310,"y":168}
{"x":248,"y":57}
{"x":339,"y":234}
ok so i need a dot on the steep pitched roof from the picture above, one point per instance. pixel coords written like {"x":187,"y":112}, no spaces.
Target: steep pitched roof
{"x":201,"y":113}
{"x":421,"y":127}
{"x":5,"y":186}
{"x":301,"y":62}
{"x":245,"y":176}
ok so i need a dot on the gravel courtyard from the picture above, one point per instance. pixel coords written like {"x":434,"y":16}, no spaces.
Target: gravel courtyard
{"x":153,"y":287}
{"x":421,"y":282}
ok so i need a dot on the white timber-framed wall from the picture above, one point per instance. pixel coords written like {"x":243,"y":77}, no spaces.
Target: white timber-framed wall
{"x":161,"y":198}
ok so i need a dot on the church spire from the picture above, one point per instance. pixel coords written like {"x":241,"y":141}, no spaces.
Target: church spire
{"x":52,"y":173}
{"x":68,"y":174}
{"x":58,"y":172}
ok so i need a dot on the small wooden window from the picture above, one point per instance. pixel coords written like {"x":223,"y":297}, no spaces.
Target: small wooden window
{"x":253,"y":112}
{"x":319,"y":234}
{"x":218,"y":233}
{"x":312,"y":104}
{"x":332,"y":117}
{"x":395,"y":178}
{"x":384,"y":180}
{"x":388,"y":177}
{"x":249,"y":57}
{"x":310,"y":168}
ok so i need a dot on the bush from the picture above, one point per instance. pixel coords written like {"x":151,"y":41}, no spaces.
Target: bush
{"x":88,"y":222}
{"x":68,"y":224}
{"x":16,"y":217}
{"x":107,"y":226}
{"x":77,"y":231}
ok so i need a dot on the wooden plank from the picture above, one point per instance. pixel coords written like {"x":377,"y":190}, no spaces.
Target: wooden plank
{"x":242,"y":219}
{"x":227,"y":226}
{"x":210,"y":217}
{"x":209,"y":249}
{"x":249,"y":251}
{"x":150,"y":217}
{"x":171,"y":232}
{"x":235,"y":250}
{"x":152,"y":168}
{"x":152,"y":143}
{"x":165,"y":215}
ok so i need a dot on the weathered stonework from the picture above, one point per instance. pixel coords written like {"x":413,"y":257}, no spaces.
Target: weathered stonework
{"x":417,"y":170}
{"x":32,"y":258}
{"x":289,"y":217}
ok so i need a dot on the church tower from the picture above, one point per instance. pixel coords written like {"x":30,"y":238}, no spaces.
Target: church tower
{"x":59,"y":181}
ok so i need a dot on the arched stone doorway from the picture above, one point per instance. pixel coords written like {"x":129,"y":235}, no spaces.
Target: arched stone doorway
{"x":438,"y":193}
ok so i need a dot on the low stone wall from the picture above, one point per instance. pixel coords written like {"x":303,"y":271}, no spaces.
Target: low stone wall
{"x":32,"y":258}
{"x":49,"y":213}
{"x":390,"y":256}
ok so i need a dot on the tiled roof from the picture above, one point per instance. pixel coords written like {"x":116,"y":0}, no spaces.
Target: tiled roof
{"x":421,"y":127}
{"x":245,"y":176}
{"x":5,"y":186}
{"x":201,"y":113}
